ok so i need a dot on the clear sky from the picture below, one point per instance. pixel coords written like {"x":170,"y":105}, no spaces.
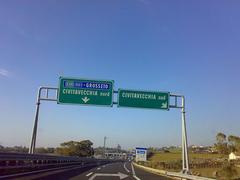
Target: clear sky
{"x":186,"y":47}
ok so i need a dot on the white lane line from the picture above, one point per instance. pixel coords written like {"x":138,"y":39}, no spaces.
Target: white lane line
{"x":89,"y":174}
{"x":124,"y":165}
{"x":98,"y":168}
{"x":134,"y":174}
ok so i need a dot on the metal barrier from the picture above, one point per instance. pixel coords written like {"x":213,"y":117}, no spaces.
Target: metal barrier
{"x":14,"y":162}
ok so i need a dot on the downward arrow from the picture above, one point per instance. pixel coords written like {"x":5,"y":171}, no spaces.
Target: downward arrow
{"x":85,"y":99}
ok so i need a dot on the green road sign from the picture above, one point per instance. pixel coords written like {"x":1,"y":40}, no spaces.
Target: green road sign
{"x":143,"y":99}
{"x":86,"y":92}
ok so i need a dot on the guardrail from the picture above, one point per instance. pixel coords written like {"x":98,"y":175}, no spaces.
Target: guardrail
{"x":11,"y":163}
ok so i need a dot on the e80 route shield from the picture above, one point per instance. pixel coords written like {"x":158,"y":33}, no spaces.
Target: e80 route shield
{"x":85,"y":92}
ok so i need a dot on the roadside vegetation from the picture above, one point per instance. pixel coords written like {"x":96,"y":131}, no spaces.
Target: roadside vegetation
{"x":76,"y":148}
{"x":70,"y":148}
{"x":209,"y":161}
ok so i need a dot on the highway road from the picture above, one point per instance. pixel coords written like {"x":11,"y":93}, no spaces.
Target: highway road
{"x":113,"y":171}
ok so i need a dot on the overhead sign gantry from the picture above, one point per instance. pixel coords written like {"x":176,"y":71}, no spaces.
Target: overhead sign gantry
{"x":101,"y":93}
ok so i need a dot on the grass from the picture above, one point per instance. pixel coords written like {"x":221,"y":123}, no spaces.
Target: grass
{"x":176,"y":156}
{"x":207,"y":172}
{"x":173,"y":156}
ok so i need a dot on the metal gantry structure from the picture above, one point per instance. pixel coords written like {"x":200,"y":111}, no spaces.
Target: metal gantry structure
{"x":185,"y":157}
{"x":40,"y":97}
{"x":44,"y":95}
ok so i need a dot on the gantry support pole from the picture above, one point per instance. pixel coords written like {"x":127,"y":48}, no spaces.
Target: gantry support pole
{"x":185,"y":160}
{"x":34,"y":132}
{"x":35,"y":124}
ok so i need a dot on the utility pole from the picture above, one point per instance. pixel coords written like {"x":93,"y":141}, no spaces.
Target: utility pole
{"x":104,"y":147}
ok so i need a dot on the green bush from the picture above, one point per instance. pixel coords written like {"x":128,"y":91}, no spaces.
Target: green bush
{"x":228,"y":172}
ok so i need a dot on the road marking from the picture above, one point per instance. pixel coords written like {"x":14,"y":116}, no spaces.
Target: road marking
{"x":133,"y":171}
{"x":134,"y":174}
{"x":119,"y":174}
{"x":124,"y":165}
{"x":89,"y":174}
{"x":135,"y":177}
{"x":98,"y":168}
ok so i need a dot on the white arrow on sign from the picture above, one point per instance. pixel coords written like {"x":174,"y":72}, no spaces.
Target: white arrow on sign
{"x":85,"y":99}
{"x":164,"y":105}
{"x":119,"y":174}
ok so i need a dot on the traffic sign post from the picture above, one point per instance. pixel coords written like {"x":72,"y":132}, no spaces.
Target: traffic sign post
{"x":85,"y":92}
{"x":143,"y":99}
{"x":141,"y":154}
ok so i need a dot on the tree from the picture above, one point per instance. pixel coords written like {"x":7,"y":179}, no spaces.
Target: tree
{"x":42,"y":150}
{"x":221,"y":145}
{"x":150,"y":152}
{"x":76,"y":148}
{"x":20,"y":149}
{"x":221,"y":138}
{"x":234,"y":143}
{"x":1,"y":148}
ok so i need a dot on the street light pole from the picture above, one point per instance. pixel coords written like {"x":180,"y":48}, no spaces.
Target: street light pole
{"x":104,"y":147}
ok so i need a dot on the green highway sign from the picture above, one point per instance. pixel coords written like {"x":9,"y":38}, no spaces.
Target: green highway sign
{"x":84,"y":91}
{"x":143,"y":99}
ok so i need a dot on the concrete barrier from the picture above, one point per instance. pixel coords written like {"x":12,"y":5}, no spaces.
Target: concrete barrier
{"x":174,"y":175}
{"x":154,"y":171}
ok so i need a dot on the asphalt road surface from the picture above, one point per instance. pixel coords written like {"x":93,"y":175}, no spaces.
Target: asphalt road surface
{"x":113,"y":171}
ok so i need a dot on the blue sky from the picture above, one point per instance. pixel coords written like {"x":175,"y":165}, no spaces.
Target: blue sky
{"x":186,"y":47}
